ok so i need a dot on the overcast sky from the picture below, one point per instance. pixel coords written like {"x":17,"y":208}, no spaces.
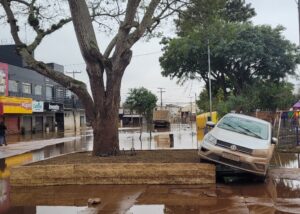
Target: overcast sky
{"x":144,"y":70}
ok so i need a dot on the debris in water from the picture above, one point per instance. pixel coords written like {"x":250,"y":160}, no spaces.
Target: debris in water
{"x":94,"y":201}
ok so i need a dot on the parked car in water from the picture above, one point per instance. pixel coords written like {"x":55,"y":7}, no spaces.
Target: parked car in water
{"x":241,"y":142}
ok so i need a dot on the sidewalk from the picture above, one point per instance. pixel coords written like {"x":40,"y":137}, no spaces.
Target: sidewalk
{"x":18,"y":144}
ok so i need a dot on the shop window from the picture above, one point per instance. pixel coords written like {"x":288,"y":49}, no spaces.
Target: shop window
{"x":68,"y":94}
{"x":38,"y":90}
{"x":49,"y":92}
{"x":59,"y":93}
{"x":13,"y":86}
{"x":26,"y":88}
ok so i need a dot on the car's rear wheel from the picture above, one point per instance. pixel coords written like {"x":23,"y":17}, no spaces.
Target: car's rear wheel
{"x":261,"y":178}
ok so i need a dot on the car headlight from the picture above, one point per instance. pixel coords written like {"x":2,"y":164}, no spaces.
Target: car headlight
{"x":210,"y":139}
{"x":260,"y":153}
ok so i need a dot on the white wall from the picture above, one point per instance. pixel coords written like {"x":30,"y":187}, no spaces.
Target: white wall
{"x":69,"y":120}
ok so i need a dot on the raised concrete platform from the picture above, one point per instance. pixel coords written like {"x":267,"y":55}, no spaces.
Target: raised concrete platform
{"x":113,"y":173}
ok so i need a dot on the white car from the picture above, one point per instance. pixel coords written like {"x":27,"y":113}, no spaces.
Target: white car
{"x":241,"y":142}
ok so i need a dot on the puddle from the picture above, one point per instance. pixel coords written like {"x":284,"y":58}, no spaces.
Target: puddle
{"x":285,"y":160}
{"x":147,"y":209}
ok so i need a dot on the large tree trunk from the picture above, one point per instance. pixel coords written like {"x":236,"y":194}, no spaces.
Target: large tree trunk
{"x":105,"y":126}
{"x":106,"y":122}
{"x":106,"y":136}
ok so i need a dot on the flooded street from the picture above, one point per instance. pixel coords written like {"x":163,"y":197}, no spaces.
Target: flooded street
{"x":279,"y":194}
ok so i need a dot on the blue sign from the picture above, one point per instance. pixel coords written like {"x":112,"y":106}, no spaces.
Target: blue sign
{"x":37,"y":106}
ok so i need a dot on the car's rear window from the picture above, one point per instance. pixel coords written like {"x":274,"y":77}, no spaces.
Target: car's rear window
{"x":245,"y":126}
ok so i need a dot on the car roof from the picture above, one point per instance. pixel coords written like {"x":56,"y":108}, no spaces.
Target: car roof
{"x":247,"y":117}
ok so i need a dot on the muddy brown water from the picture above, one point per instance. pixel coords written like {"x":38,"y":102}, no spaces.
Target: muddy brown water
{"x":241,"y":195}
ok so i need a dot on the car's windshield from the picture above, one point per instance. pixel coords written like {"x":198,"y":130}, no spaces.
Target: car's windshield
{"x":245,"y":126}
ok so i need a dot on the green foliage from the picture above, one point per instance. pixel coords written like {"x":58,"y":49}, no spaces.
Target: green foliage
{"x":202,"y":13}
{"x":238,"y":11}
{"x":248,"y":63}
{"x":264,"y":96}
{"x":203,"y":101}
{"x":141,"y":100}
{"x":241,"y":54}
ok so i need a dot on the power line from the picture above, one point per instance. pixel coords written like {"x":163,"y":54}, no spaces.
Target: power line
{"x":137,"y":55}
{"x":146,"y":54}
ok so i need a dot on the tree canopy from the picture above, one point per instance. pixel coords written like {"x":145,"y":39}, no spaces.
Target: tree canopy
{"x":141,"y":100}
{"x":241,"y":54}
{"x":200,"y":14}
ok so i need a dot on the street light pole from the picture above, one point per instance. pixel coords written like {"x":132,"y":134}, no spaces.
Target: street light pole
{"x":209,"y":80}
{"x":298,"y":2}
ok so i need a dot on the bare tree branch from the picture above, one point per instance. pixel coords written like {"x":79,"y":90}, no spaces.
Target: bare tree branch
{"x":126,"y":25}
{"x":22,"y":2}
{"x":14,"y":28}
{"x":85,"y":32}
{"x":77,"y":87}
{"x":110,"y":46}
{"x":145,"y":23}
{"x":41,"y":34}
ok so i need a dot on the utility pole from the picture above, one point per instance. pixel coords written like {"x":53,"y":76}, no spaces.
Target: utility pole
{"x":73,"y":73}
{"x":298,"y":3}
{"x":191,"y":111}
{"x":209,"y":80}
{"x":161,"y":90}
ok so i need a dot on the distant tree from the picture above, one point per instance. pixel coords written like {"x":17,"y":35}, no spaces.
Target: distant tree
{"x":129,"y":21}
{"x":264,"y":96}
{"x":143,"y":101}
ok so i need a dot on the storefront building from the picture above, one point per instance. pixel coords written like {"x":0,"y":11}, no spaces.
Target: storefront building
{"x":46,"y":114}
{"x":16,"y":112}
{"x":31,"y":102}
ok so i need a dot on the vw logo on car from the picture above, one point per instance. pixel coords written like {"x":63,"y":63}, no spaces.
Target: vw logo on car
{"x":233,"y":147}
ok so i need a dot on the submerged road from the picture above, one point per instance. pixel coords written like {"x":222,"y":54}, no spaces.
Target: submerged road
{"x":18,"y":144}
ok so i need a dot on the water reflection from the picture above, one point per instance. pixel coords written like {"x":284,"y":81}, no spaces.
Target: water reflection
{"x":12,"y":139}
{"x":81,"y":144}
{"x":59,"y":210}
{"x":285,"y":160}
{"x":179,"y":136}
{"x":4,"y":195}
{"x":147,"y":209}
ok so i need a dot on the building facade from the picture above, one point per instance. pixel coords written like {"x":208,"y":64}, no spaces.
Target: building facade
{"x":31,"y":102}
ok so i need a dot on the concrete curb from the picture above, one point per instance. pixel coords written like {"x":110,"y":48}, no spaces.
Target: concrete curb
{"x":113,"y":173}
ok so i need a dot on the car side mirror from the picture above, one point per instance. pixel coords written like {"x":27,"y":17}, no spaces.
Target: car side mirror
{"x":274,"y":140}
{"x":210,"y":124}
